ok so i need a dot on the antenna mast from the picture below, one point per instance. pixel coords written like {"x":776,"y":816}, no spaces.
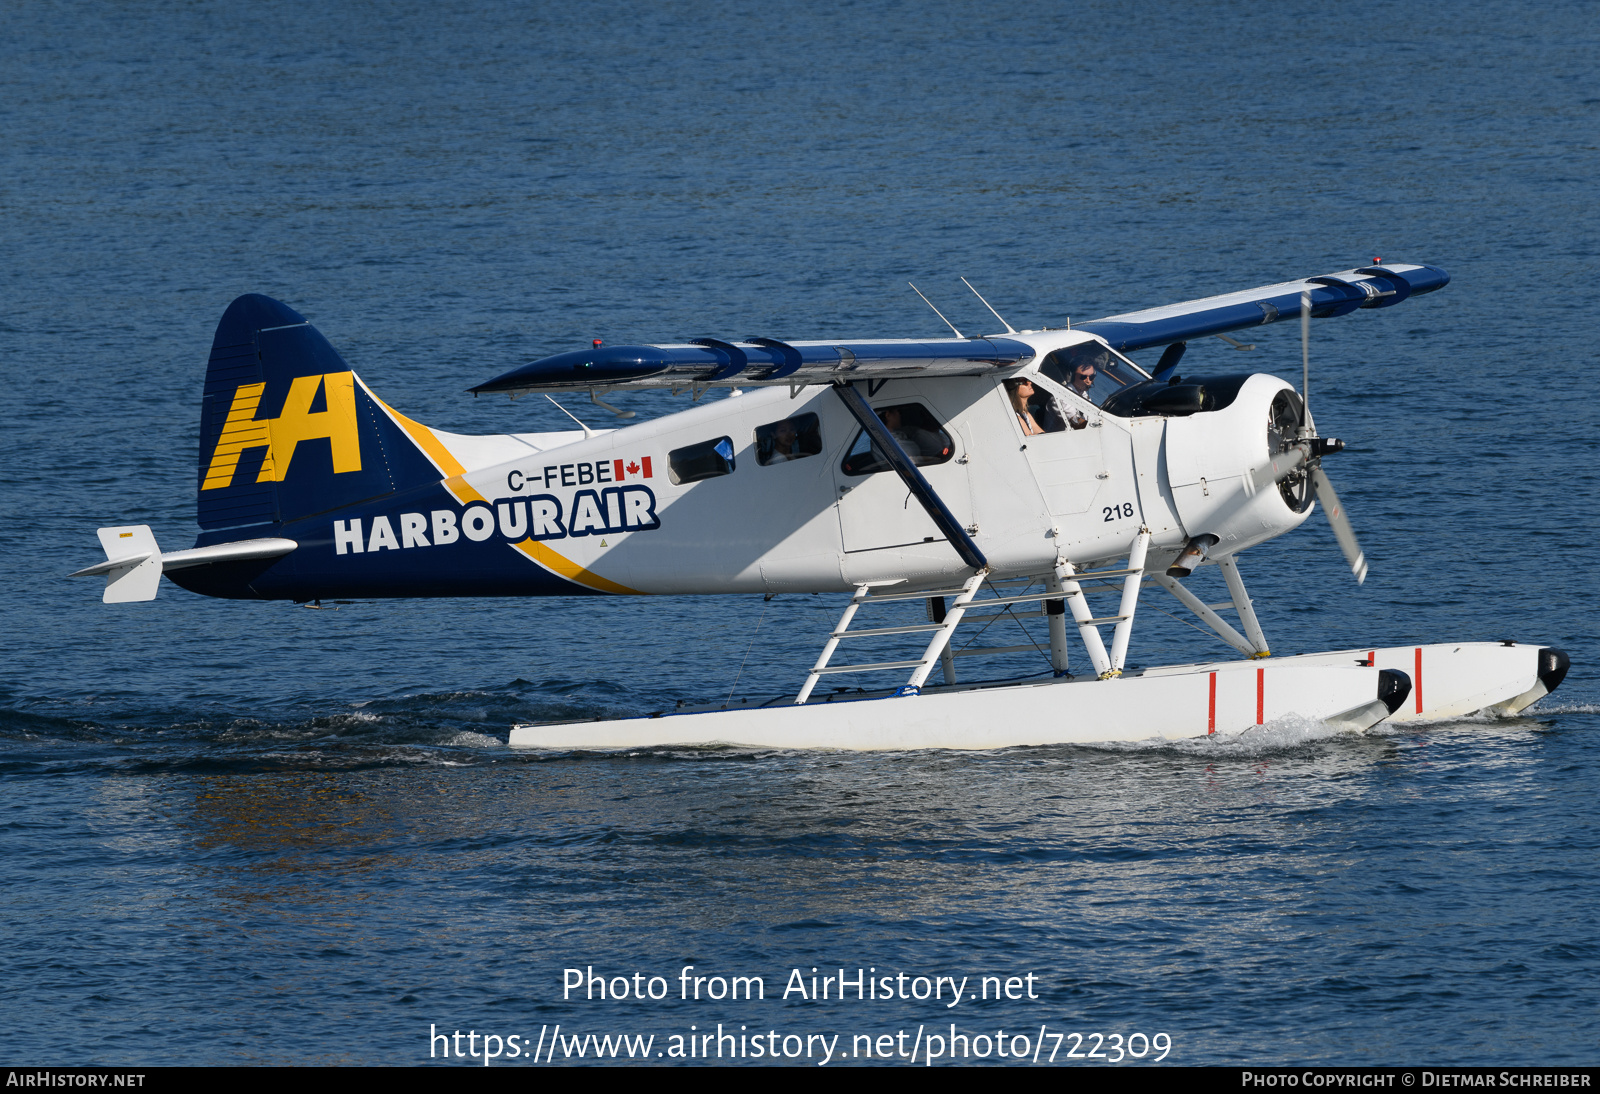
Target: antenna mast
{"x":936,"y":311}
{"x":997,"y":315}
{"x":587,"y":432}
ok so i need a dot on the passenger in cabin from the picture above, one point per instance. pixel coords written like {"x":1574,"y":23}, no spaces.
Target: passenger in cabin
{"x":1046,"y":413}
{"x":784,"y":443}
{"x":788,"y":439}
{"x":918,"y":443}
{"x":1021,"y":391}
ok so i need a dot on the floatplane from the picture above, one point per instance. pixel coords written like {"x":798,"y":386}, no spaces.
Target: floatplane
{"x":968,"y":478}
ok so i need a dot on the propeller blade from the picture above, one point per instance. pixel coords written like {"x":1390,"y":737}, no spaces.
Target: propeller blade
{"x":1305,"y":353}
{"x":1324,"y":492}
{"x":1279,"y":467}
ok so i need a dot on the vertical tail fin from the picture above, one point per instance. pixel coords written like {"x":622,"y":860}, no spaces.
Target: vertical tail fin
{"x":287,"y":430}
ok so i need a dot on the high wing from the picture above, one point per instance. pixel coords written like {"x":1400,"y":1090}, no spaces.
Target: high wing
{"x":755,"y":361}
{"x":1331,"y":295}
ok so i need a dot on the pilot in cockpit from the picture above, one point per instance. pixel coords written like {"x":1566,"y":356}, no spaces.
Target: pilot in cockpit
{"x":1093,"y":373}
{"x":1079,"y":382}
{"x":1081,"y":379}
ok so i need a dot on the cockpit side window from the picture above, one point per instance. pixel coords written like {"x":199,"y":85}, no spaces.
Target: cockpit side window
{"x":918,"y":432}
{"x":1091,"y":371}
{"x":1040,"y":406}
{"x":791,"y":439}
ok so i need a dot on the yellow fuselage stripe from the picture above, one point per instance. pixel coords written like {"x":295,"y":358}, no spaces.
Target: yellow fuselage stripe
{"x":459,"y":489}
{"x":565,"y":567}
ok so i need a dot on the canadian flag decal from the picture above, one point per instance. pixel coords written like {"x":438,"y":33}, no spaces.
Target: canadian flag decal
{"x":632,"y":469}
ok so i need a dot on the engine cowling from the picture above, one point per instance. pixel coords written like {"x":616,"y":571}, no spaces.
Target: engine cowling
{"x":1215,"y":459}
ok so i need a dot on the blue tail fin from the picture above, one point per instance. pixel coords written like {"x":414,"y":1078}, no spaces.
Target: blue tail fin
{"x":287,"y":430}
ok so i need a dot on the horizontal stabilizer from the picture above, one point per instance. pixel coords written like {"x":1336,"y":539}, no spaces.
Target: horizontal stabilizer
{"x":132,"y":566}
{"x":134,"y":563}
{"x":1331,"y":295}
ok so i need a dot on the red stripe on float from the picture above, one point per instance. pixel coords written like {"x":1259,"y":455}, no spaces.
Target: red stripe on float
{"x":1211,"y":718}
{"x":1416,"y":680}
{"x":1261,"y":695}
{"x":1372,"y":658}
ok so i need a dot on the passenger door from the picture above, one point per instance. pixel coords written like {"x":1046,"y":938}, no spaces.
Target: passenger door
{"x":876,"y":510}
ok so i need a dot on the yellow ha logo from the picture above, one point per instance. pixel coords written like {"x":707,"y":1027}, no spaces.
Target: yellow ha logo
{"x":297,"y":423}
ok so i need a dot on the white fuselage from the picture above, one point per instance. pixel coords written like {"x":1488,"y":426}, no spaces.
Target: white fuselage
{"x":805,"y":525}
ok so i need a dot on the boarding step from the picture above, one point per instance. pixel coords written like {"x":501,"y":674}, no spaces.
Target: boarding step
{"x":941,"y":630}
{"x":938,"y":644}
{"x":926,"y":594}
{"x":980,"y":651}
{"x":1021,"y":598}
{"x":870,"y":631}
{"x":1091,"y":575}
{"x":984,"y":650}
{"x":877,"y":666}
{"x":944,"y":619}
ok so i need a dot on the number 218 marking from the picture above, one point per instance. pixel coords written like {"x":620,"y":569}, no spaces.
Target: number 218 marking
{"x":1112,"y":512}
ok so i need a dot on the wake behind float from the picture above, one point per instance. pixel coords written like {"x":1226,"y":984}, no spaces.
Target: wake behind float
{"x":1015,"y":475}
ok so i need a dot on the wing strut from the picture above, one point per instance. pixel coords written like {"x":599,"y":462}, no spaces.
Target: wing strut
{"x":907,"y":470}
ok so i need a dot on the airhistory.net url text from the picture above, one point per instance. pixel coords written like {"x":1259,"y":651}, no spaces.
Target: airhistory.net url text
{"x":925,"y":1046}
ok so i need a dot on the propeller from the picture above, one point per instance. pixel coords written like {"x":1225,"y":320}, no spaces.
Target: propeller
{"x":1333,"y":509}
{"x":1312,"y":449}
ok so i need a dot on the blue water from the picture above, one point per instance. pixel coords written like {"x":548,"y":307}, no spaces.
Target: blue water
{"x":256,"y":833}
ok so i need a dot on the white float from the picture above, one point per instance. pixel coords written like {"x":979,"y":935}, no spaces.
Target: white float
{"x":1225,"y":698}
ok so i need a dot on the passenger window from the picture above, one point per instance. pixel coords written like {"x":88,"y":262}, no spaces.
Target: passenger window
{"x":705,"y":460}
{"x":791,"y":439}
{"x":918,"y":432}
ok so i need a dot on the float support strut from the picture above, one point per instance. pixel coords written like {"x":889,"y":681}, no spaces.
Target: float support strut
{"x":939,"y":645}
{"x":1242,"y":604}
{"x":947,"y":660}
{"x":1130,"y":601}
{"x":1055,"y":612}
{"x":1207,"y":616}
{"x":1079,"y":605}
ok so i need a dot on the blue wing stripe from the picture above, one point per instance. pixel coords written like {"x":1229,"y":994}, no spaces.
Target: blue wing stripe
{"x":819,"y":362}
{"x":1331,"y":295}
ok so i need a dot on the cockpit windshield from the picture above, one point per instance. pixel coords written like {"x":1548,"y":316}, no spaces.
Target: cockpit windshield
{"x":1092,"y":371}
